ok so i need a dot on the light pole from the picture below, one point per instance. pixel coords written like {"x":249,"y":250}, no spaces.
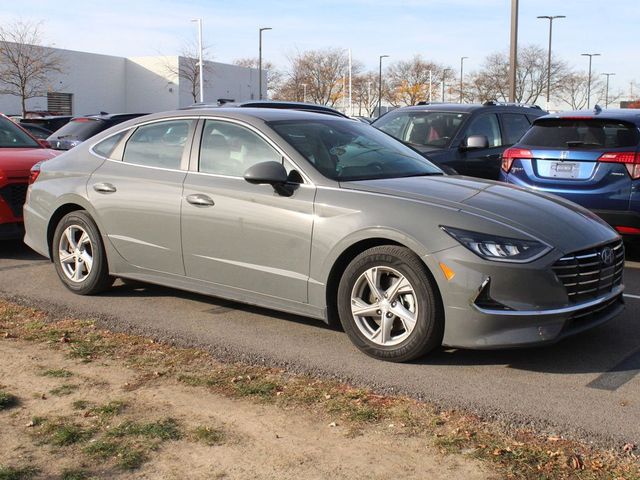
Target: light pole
{"x":513,"y":51}
{"x":380,"y":85}
{"x":606,"y":91}
{"x":260,"y":60}
{"x":550,"y":18}
{"x":304,"y":92}
{"x":444,"y":78}
{"x":590,"y":55}
{"x":462,"y":59}
{"x":200,"y":62}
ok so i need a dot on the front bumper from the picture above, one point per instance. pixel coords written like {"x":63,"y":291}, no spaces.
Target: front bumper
{"x":528,"y":304}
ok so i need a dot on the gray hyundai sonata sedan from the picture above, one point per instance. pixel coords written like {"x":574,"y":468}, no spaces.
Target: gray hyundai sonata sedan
{"x":328,"y":218}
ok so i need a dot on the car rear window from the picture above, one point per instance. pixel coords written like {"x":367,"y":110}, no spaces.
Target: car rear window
{"x":80,"y":129}
{"x":588,"y":133}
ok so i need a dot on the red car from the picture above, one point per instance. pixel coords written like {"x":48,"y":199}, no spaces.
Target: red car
{"x":19,"y":151}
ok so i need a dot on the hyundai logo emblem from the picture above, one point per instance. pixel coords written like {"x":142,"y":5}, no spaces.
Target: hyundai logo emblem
{"x":607,"y":256}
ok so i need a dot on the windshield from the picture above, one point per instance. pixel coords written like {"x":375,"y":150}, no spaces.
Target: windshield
{"x":433,"y":129}
{"x":345,"y":150}
{"x":79,"y":129}
{"x":12,"y":136}
{"x":585,"y":133}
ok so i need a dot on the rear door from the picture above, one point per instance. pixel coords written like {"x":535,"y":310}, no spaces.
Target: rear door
{"x":581,"y":159}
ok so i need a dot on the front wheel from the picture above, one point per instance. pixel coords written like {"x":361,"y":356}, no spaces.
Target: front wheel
{"x":79,"y":256}
{"x":388,"y":304}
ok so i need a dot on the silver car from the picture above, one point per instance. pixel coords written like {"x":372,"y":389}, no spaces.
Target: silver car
{"x":328,"y":218}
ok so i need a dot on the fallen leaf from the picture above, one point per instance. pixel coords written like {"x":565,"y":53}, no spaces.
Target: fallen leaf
{"x":576,"y":462}
{"x":554,"y":439}
{"x":333,"y":424}
{"x":629,"y":447}
{"x":498,"y":451}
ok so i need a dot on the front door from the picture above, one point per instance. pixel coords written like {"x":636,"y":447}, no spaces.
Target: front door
{"x":482,"y":162}
{"x":241,"y":235}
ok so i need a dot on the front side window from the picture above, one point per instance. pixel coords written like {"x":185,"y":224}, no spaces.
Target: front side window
{"x":345,"y":150}
{"x":230,"y":149}
{"x":11,"y":136}
{"x":435,"y":129}
{"x":486,"y":125}
{"x":158,"y":144}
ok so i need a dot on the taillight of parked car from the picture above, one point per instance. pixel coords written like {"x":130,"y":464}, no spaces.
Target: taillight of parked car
{"x":631,"y":160}
{"x":34,"y":172}
{"x":510,"y":154}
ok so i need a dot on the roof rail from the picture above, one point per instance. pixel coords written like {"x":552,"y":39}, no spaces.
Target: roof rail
{"x":495,"y":103}
{"x":428,"y":103}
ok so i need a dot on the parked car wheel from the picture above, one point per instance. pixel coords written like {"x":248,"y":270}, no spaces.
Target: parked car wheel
{"x":79,"y":256}
{"x":388,"y":305}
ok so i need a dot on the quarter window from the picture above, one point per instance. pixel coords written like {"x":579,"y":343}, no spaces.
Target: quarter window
{"x":106,"y":147}
{"x":159,"y":144}
{"x":488,"y":126}
{"x":229,"y":149}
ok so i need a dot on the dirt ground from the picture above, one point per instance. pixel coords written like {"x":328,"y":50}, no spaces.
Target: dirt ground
{"x":77,"y":420}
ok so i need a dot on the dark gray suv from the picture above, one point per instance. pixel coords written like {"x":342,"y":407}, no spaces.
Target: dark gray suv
{"x":461,"y":138}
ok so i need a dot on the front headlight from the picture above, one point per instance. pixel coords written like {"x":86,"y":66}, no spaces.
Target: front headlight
{"x":494,"y":247}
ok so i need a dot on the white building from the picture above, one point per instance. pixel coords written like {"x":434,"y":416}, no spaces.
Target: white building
{"x":92,"y":83}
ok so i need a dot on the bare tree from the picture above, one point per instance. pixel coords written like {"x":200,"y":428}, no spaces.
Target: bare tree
{"x":25,"y":64}
{"x":408,"y":81}
{"x":492,"y":81}
{"x":573,"y":91}
{"x":324,"y":73}
{"x":365,"y":93}
{"x":274,"y":76}
{"x":188,"y":67}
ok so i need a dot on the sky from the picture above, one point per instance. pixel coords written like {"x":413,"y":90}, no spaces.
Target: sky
{"x":440,"y":30}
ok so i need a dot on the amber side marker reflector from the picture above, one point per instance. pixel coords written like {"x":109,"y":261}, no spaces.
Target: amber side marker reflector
{"x":448,"y":273}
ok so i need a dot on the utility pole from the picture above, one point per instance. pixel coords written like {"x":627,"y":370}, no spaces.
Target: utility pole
{"x":590,"y":55}
{"x":380,"y":85}
{"x":350,"y":87}
{"x":430,"y":85}
{"x":260,"y":60}
{"x":444,"y":78}
{"x":304,"y":92}
{"x":606,"y":92}
{"x":462,"y":59}
{"x":200,"y":60}
{"x":513,"y":53}
{"x":550,"y":18}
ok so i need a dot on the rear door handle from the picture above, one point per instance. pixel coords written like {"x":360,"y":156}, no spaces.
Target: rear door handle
{"x":104,"y":187}
{"x":200,"y":200}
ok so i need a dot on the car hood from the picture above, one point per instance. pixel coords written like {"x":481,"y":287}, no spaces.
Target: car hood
{"x":18,"y":161}
{"x":552,"y":219}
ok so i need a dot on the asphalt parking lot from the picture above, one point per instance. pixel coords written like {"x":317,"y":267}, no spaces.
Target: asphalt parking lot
{"x":588,"y":385}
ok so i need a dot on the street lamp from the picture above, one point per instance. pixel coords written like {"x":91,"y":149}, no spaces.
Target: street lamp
{"x":260,"y":60}
{"x":200,"y":62}
{"x":304,"y":92}
{"x":380,"y":85}
{"x":550,"y":18}
{"x":462,"y":59}
{"x":590,"y":55}
{"x":444,"y":77}
{"x":606,"y":94}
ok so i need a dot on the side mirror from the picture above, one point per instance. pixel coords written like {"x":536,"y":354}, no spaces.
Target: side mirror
{"x":44,"y":143}
{"x":272,"y":173}
{"x":475,"y":142}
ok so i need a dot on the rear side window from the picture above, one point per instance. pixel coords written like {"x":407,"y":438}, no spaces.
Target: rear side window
{"x":158,"y":145}
{"x":515,"y":124}
{"x":80,"y":129}
{"x":585,"y":133}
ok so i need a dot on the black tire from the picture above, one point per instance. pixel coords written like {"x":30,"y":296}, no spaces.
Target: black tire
{"x":429,"y":326}
{"x":98,"y":278}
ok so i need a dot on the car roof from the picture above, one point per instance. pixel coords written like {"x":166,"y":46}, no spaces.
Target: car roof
{"x":628,"y":114}
{"x":109,"y":116}
{"x":273,"y":104}
{"x":248,"y":113}
{"x":469,"y":107}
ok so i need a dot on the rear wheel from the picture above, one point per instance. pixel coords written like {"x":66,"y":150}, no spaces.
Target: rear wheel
{"x":79,"y":256}
{"x":388,"y":304}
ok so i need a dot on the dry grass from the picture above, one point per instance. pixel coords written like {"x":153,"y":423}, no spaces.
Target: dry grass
{"x":520,"y":454}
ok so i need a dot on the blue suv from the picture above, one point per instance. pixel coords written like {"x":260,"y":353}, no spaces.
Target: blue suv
{"x":590,"y":158}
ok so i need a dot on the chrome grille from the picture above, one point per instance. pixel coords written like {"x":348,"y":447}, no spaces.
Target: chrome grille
{"x":586,"y":275}
{"x":15,"y":194}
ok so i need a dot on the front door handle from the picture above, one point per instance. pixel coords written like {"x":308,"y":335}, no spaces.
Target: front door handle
{"x":200,"y":200}
{"x":104,"y":188}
